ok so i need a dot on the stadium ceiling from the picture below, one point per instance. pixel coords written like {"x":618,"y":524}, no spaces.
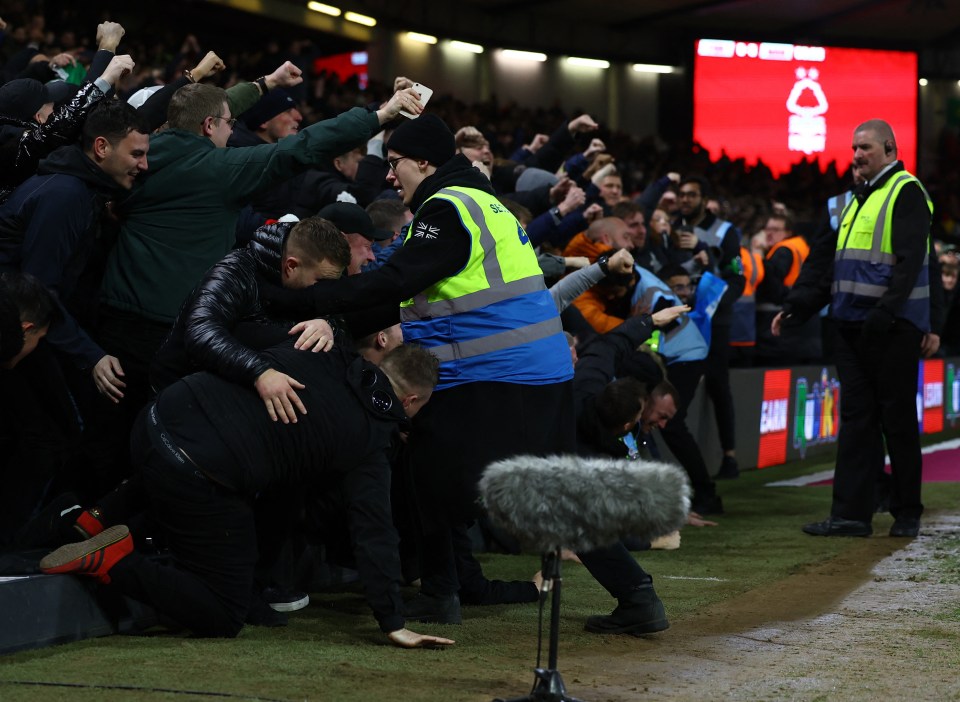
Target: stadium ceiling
{"x":662,"y":31}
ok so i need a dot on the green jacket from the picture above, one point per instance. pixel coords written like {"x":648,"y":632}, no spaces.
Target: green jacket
{"x":181,"y":218}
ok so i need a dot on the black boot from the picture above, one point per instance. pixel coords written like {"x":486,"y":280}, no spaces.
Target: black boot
{"x":729,"y":470}
{"x":441,"y":609}
{"x":640,"y":612}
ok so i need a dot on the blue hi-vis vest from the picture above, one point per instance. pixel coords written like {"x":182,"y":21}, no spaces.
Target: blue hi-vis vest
{"x":864,"y":262}
{"x":690,"y":341}
{"x":713,"y":238}
{"x":494,"y":320}
{"x":835,"y":207}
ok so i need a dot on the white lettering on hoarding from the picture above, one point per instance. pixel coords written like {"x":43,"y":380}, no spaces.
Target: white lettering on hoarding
{"x":773,"y":416}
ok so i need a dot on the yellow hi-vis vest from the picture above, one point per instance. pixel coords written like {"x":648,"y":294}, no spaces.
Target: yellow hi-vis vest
{"x":863,"y":265}
{"x":494,"y":320}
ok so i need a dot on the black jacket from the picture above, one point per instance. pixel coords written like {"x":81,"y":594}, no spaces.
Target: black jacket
{"x":49,"y":228}
{"x":307,"y":193}
{"x":216,"y":328}
{"x":437,"y":250}
{"x":341,"y":443}
{"x":600,"y":362}
{"x":24,"y":144}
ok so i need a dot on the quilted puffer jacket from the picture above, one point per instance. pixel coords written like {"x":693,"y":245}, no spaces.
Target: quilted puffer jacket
{"x":24,"y":144}
{"x":227,"y":303}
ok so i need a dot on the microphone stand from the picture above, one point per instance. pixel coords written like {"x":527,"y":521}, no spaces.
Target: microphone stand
{"x":548,"y":685}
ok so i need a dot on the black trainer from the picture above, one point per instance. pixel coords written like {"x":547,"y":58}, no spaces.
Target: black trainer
{"x":281,"y":600}
{"x":443,"y":609}
{"x":641,"y":612}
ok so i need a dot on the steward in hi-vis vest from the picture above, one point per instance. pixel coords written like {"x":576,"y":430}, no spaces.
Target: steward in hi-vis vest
{"x":863,"y":271}
{"x":787,"y":253}
{"x":880,"y":297}
{"x":743,"y":330}
{"x":493,"y":319}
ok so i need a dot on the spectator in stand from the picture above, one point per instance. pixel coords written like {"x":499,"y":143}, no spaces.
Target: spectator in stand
{"x":27,"y":309}
{"x":472,"y":144}
{"x":30,"y":127}
{"x":743,"y":326}
{"x":632,"y":215}
{"x":684,"y":349}
{"x":659,"y":195}
{"x":786,"y":253}
{"x":721,"y":240}
{"x":949,"y":271}
{"x":223,"y":326}
{"x":206,"y":450}
{"x":49,"y":228}
{"x":390,"y":215}
{"x":357,"y":227}
{"x":161,"y":253}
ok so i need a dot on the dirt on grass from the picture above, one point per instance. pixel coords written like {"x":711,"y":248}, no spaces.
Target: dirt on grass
{"x":880,"y":621}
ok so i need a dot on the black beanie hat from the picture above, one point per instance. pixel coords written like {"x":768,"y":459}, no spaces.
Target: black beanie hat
{"x":266,"y":108}
{"x":427,"y":137}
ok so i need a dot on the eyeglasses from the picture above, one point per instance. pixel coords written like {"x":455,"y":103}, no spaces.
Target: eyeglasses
{"x":394,"y":161}
{"x":229,"y":120}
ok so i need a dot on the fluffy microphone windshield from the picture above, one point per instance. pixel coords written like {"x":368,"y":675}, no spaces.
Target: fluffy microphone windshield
{"x":583,"y":503}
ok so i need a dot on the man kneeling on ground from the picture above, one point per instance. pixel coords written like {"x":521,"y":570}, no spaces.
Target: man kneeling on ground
{"x":206,"y":448}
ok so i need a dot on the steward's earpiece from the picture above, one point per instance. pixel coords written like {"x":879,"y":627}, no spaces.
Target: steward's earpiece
{"x":887,"y":147}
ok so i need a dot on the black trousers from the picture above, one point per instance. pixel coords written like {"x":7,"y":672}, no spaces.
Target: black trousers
{"x":455,"y":437}
{"x":878,"y":376}
{"x":38,"y":431}
{"x":212,"y":535}
{"x":716,"y":373}
{"x":103,"y":457}
{"x":685,"y":377}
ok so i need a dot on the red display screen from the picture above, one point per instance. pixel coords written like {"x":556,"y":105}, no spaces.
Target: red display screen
{"x":781,"y":103}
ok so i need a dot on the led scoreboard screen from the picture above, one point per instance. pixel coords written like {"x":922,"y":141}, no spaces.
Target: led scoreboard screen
{"x":781,"y":103}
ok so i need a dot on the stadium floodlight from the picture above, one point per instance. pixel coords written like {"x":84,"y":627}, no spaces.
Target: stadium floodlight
{"x":587,"y":62}
{"x":422,"y":38}
{"x":359,"y":19}
{"x":524,"y":55}
{"x":324,"y":9}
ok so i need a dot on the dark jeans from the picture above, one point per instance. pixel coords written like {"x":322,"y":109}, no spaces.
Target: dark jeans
{"x":211,"y":535}
{"x":879,"y":380}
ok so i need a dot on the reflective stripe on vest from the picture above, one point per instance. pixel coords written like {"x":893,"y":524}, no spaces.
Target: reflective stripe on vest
{"x":835,"y":207}
{"x":743,"y":326}
{"x":713,"y":238}
{"x":864,"y":261}
{"x":494,"y":319}
{"x":800,"y":250}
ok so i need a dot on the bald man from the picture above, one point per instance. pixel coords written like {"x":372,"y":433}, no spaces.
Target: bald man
{"x":880,"y":300}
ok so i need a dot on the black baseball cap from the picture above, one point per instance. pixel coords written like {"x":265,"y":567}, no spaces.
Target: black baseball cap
{"x":22,"y":98}
{"x":353,"y":219}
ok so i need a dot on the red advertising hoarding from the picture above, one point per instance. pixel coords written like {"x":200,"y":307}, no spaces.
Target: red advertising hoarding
{"x":781,"y":103}
{"x":773,"y":418}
